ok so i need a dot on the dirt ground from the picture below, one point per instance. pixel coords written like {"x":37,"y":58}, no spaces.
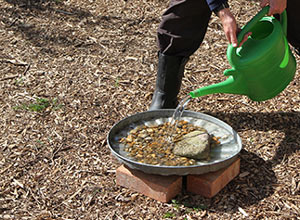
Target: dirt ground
{"x":71,"y":69}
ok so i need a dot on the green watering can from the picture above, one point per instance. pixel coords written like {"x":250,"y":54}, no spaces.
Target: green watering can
{"x":263,"y":66}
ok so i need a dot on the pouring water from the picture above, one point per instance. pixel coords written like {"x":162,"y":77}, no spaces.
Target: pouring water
{"x":177,"y":116}
{"x":179,"y":110}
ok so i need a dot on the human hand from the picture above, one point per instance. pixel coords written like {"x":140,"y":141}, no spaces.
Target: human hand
{"x":230,"y":27}
{"x":276,"y":6}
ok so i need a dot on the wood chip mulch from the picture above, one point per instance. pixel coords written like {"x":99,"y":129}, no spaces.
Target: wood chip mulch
{"x":71,"y":69}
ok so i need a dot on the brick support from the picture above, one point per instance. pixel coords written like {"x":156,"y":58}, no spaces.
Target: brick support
{"x":209,"y":184}
{"x":161,"y":188}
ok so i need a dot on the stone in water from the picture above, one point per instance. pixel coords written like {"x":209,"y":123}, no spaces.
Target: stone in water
{"x":195,"y":144}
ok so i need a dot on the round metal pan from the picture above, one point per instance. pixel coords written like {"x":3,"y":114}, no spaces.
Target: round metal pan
{"x":221,"y":156}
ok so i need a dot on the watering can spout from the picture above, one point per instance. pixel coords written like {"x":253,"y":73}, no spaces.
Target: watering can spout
{"x":231,"y":86}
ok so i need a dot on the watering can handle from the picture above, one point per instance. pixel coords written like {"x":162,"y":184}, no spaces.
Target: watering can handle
{"x":257,"y":17}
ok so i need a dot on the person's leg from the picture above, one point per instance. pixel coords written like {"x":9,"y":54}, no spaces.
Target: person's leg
{"x":183,"y":27}
{"x":180,"y":34}
{"x":293,"y":26}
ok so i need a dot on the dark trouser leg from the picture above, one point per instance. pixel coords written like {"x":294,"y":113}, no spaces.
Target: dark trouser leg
{"x":180,"y":34}
{"x":293,"y":26}
{"x":183,"y":27}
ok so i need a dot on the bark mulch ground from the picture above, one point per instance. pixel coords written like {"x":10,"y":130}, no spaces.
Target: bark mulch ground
{"x":71,"y":69}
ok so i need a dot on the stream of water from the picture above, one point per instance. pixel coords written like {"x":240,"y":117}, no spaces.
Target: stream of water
{"x":177,"y":116}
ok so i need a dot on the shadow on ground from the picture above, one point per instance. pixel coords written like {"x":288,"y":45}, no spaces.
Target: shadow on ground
{"x":285,"y":122}
{"x":65,"y":20}
{"x":261,"y":179}
{"x":43,"y":5}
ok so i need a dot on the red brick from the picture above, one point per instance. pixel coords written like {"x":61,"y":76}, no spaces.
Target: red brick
{"x":161,"y":188}
{"x":209,"y":184}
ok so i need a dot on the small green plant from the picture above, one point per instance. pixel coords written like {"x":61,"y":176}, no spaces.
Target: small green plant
{"x":175,"y":204}
{"x":56,"y":105}
{"x":39,"y":144}
{"x":187,"y":207}
{"x":39,"y":105}
{"x":117,"y":82}
{"x":200,"y":207}
{"x":19,"y":81}
{"x":194,"y":207}
{"x":169,"y":215}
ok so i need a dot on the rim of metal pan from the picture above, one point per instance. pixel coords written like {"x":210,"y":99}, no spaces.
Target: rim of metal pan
{"x":222,"y":156}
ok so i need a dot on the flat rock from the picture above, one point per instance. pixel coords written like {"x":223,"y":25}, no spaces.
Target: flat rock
{"x":195,"y":144}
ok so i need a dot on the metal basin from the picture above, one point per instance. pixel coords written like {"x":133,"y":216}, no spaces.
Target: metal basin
{"x":221,"y":156}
